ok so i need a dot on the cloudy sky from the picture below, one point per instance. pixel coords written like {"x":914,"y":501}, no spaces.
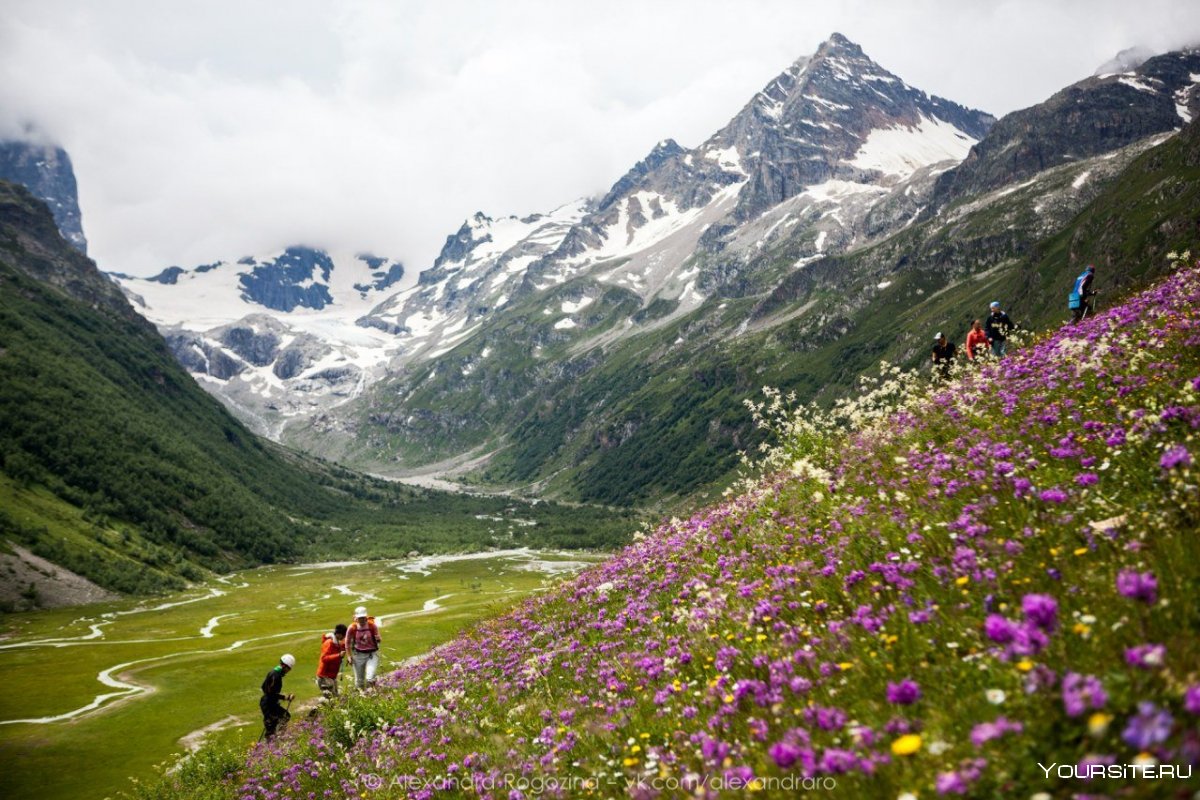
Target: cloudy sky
{"x":216,"y":129}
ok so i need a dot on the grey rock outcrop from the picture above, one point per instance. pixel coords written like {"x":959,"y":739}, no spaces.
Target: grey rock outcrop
{"x":286,"y":282}
{"x":47,"y":172}
{"x":1097,"y":115}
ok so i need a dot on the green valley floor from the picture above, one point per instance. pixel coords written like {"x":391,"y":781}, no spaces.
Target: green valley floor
{"x":97,"y":695}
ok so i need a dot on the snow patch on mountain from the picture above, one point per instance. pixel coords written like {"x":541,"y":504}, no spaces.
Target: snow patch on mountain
{"x":656,"y":252}
{"x":726,"y":158}
{"x":478,"y":271}
{"x":571,"y":307}
{"x":835,"y":191}
{"x":1137,"y":83}
{"x":624,"y":237}
{"x":901,"y":150}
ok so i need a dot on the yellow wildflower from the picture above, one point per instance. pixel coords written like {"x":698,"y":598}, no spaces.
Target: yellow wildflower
{"x":1098,"y":723}
{"x":907,"y":745}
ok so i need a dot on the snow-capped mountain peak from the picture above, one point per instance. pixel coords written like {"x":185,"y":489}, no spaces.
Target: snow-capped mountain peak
{"x":277,"y":334}
{"x":805,"y":161}
{"x":834,"y":116}
{"x":295,"y":280}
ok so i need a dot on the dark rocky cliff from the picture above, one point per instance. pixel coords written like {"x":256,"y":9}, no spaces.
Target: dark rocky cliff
{"x":47,"y":172}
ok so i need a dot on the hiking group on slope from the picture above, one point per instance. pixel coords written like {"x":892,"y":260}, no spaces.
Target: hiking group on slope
{"x":357,"y":643}
{"x":993,"y":332}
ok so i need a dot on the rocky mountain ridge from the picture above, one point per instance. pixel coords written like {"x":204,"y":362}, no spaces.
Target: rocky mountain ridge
{"x":46,"y":171}
{"x":273,"y":334}
{"x":1094,"y":116}
{"x":601,"y":351}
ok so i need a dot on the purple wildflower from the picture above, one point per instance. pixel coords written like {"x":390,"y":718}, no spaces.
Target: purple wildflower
{"x":784,"y":754}
{"x":1138,"y":586}
{"x":1150,"y":726}
{"x":985,"y":732}
{"x":1039,"y":678}
{"x":999,"y":629}
{"x":1041,"y":610}
{"x":903,"y":693}
{"x":826,"y":718}
{"x":1177,"y":456}
{"x":1081,"y":692}
{"x":838,"y":762}
{"x":714,"y":750}
{"x":1146,"y":656}
{"x":1053,"y":495}
{"x":1028,"y":640}
{"x":1191,"y":699}
{"x":950,"y":783}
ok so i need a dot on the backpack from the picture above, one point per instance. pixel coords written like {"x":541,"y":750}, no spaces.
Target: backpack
{"x":273,"y":683}
{"x":365,"y":639}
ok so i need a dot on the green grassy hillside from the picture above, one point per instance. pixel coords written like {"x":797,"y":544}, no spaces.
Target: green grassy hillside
{"x":195,"y":659}
{"x":118,"y":466}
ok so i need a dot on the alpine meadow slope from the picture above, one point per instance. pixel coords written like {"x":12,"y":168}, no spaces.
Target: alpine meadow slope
{"x":1022,"y":537}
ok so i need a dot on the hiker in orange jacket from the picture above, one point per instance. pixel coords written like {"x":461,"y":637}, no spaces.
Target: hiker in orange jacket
{"x":977,"y":340}
{"x":333,"y":647}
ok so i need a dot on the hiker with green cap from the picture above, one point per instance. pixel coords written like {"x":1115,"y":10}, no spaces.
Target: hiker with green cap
{"x":274,"y":714}
{"x":362,"y":644}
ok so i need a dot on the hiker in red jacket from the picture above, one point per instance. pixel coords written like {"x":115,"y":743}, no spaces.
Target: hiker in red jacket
{"x":333,"y":647}
{"x":977,"y":340}
{"x":362,"y":643}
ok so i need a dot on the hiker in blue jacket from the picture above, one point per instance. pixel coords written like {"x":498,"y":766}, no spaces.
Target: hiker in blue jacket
{"x":1080,"y":299}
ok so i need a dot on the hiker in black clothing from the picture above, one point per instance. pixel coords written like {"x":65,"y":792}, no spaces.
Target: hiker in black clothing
{"x":997,"y":327}
{"x":274,"y":714}
{"x":943,"y":355}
